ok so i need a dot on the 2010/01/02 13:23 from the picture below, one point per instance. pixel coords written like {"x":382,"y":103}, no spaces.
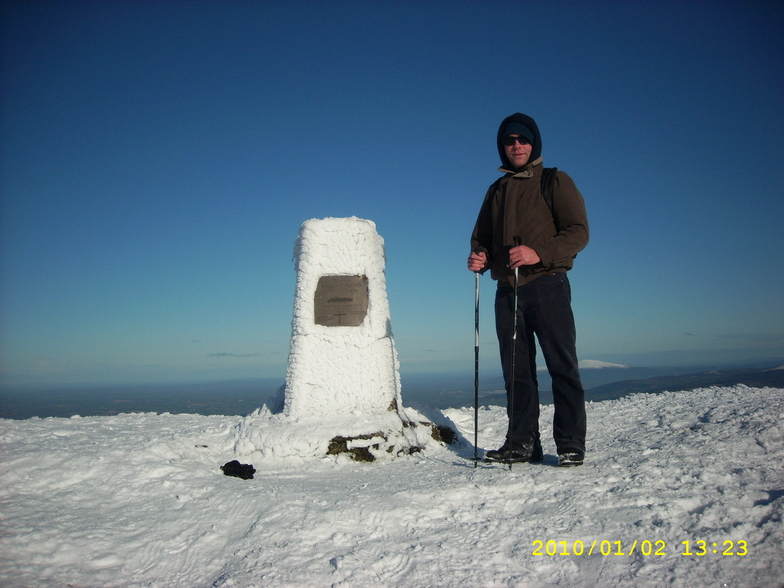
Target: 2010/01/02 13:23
{"x":646,"y":547}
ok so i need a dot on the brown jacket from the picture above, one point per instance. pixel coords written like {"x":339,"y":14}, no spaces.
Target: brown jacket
{"x":514,"y":206}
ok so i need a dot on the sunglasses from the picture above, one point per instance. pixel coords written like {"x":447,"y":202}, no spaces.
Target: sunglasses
{"x":510,"y":140}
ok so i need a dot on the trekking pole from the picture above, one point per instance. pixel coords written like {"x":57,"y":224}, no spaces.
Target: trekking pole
{"x":476,"y":368}
{"x":514,"y":345}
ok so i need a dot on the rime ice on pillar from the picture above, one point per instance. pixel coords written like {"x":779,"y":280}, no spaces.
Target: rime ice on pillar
{"x":342,"y":358}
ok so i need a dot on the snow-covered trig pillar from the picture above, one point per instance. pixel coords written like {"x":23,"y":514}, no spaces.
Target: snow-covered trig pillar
{"x":342,"y":358}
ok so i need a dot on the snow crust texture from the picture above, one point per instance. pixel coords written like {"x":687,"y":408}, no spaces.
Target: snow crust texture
{"x":139,"y":500}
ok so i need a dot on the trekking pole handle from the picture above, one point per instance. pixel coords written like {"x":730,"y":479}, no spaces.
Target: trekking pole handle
{"x":517,"y":242}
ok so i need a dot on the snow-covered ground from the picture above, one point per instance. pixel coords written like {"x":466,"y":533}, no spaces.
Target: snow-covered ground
{"x":139,"y":500}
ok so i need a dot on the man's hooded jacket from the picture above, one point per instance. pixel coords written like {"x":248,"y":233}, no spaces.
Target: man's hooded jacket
{"x":514,"y":207}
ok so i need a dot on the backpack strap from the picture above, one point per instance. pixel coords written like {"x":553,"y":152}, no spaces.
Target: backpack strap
{"x":548,"y":185}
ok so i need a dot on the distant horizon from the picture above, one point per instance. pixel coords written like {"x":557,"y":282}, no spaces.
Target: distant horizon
{"x":444,"y":390}
{"x":406,"y":376}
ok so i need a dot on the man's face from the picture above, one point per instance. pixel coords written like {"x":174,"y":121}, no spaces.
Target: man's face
{"x":519,"y":151}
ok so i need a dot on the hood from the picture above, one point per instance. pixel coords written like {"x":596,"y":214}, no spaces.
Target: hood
{"x":528,"y":122}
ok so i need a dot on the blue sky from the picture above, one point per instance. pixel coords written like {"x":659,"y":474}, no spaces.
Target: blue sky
{"x":158,"y":158}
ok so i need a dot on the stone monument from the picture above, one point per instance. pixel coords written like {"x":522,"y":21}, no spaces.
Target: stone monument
{"x":342,"y":357}
{"x":342,"y":392}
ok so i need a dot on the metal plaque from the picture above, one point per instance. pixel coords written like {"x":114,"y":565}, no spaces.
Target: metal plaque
{"x":341,"y":301}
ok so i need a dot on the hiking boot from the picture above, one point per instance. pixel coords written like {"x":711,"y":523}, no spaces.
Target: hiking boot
{"x":570,"y":459}
{"x":537,"y":455}
{"x":506,"y":454}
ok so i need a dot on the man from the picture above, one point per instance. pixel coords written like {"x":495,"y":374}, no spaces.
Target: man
{"x":516,"y":229}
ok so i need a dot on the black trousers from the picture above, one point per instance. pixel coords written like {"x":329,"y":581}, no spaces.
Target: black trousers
{"x":544,"y":310}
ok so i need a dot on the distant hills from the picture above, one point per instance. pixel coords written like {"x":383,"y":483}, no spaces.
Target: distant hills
{"x":593,"y":364}
{"x":233,"y":397}
{"x":753,"y":377}
{"x":602,"y":381}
